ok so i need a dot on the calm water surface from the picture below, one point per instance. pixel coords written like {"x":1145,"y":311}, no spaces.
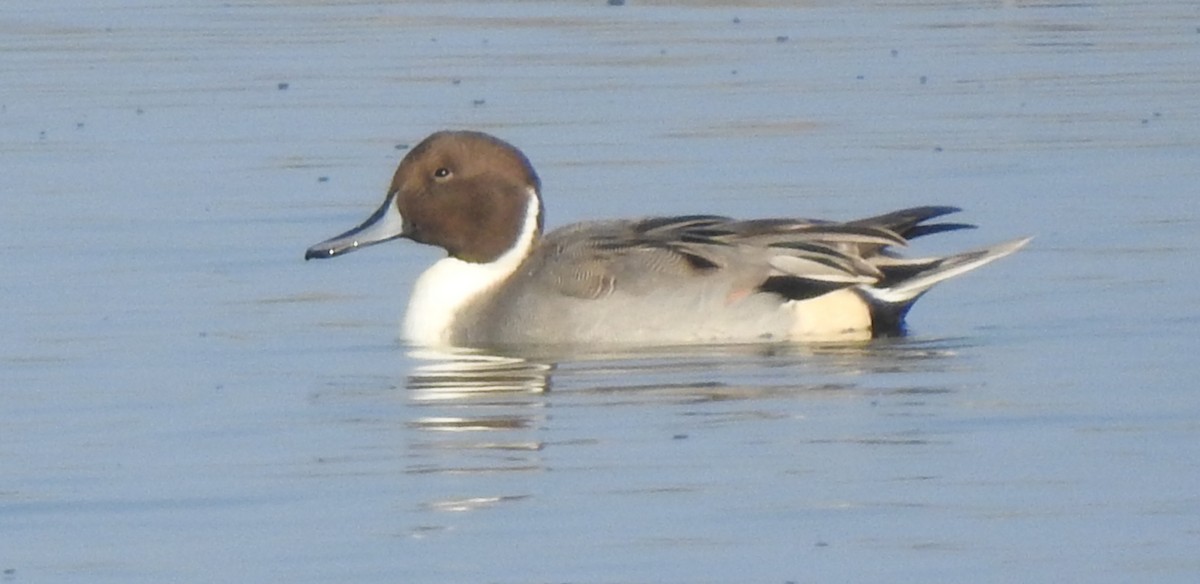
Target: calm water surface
{"x":184,"y":399}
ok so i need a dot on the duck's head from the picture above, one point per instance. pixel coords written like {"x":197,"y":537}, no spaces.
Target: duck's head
{"x":467,"y":192}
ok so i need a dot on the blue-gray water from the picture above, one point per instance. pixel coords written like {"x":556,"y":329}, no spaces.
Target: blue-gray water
{"x":184,"y":399}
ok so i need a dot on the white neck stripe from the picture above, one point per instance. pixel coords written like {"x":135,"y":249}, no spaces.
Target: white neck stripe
{"x":450,"y":284}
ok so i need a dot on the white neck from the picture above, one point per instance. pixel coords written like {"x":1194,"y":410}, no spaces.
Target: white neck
{"x":450,"y":284}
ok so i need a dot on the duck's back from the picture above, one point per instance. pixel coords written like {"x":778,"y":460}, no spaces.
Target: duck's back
{"x":704,"y":278}
{"x":652,"y":281}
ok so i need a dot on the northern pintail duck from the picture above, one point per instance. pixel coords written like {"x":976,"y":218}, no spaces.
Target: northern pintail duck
{"x":658,"y":280}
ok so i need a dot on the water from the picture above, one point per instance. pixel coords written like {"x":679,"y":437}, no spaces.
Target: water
{"x":185,"y":399}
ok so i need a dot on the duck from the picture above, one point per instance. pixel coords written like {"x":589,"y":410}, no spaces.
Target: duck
{"x":662,"y":280}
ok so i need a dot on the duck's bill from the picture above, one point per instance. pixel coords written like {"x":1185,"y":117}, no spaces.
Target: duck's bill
{"x":383,"y":225}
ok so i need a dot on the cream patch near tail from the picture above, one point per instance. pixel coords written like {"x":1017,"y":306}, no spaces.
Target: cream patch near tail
{"x":843,"y":315}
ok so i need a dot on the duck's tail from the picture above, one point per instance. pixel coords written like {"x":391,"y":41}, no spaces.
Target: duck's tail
{"x":905,"y":280}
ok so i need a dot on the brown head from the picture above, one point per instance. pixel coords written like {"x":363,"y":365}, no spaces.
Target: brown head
{"x":466,"y":192}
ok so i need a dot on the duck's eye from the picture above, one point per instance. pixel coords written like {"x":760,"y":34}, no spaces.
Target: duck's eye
{"x":442,"y":172}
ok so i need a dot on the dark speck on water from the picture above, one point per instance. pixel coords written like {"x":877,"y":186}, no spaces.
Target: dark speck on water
{"x":616,"y":2}
{"x":322,"y":179}
{"x":283,"y":86}
{"x":401,"y":146}
{"x":782,"y":38}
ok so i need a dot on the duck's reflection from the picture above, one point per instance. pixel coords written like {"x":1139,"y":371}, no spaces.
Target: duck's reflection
{"x":480,"y":414}
{"x":446,"y":375}
{"x":488,"y":415}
